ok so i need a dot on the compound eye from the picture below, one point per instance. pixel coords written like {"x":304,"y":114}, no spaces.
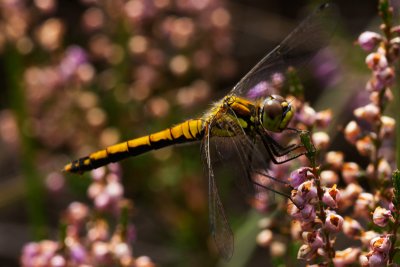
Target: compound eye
{"x":273,"y":109}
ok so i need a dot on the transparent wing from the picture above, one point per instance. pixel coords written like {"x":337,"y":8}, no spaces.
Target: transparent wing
{"x":219,"y":226}
{"x":295,"y":50}
{"x":240,"y":157}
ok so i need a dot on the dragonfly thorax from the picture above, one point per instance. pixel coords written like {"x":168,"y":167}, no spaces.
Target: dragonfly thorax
{"x":275,"y":113}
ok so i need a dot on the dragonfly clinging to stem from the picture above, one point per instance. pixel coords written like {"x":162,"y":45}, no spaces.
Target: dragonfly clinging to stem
{"x":243,"y":120}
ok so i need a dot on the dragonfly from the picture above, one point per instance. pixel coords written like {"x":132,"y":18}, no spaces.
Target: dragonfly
{"x":243,"y":122}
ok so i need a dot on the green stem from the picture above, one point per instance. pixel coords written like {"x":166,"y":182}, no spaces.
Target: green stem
{"x":14,"y":73}
{"x":397,"y":118}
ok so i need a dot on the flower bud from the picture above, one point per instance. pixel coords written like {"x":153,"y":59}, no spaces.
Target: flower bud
{"x":334,"y":159}
{"x":367,"y":236}
{"x":364,"y":204}
{"x":264,"y":238}
{"x":144,"y":261}
{"x":350,"y":172}
{"x":346,"y":257}
{"x":370,"y":113}
{"x":369,"y":40}
{"x":352,"y":132}
{"x":329,"y":178}
{"x":307,"y":115}
{"x":382,"y":216}
{"x":278,"y":248}
{"x":321,"y":140}
{"x":352,"y":228}
{"x":298,"y":176}
{"x":365,"y":146}
{"x":387,"y":128}
{"x":386,"y":76}
{"x":324,"y":118}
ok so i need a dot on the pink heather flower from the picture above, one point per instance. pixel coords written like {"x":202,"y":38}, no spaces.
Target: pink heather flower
{"x":98,"y":174}
{"x":376,"y":61}
{"x":346,"y":257}
{"x":306,"y":115}
{"x":298,"y":176}
{"x":331,"y":197}
{"x":365,"y":146}
{"x":114,"y":190}
{"x":264,"y":238}
{"x":367,"y":236}
{"x":144,"y":261}
{"x":77,"y":212}
{"x":329,"y":178}
{"x":260,"y":89}
{"x":374,"y":84}
{"x":350,"y":172}
{"x":58,"y":261}
{"x":334,"y":159}
{"x":308,"y":190}
{"x":102,"y":201}
{"x":101,"y":252}
{"x":387,"y":128}
{"x":78,"y":253}
{"x":369,"y":113}
{"x":277,"y":79}
{"x":386,"y":75}
{"x":313,"y":239}
{"x":324,"y":118}
{"x":364,"y":204}
{"x":377,"y":259}
{"x":368,"y":40}
{"x":352,"y":228}
{"x":308,"y":213}
{"x":321,"y":140}
{"x":333,"y":222}
{"x":381,"y":244}
{"x":305,"y":252}
{"x":352,"y":132}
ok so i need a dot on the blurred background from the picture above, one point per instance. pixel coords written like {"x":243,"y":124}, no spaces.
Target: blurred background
{"x":76,"y":76}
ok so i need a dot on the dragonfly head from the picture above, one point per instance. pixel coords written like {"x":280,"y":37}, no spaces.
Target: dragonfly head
{"x":276,"y":113}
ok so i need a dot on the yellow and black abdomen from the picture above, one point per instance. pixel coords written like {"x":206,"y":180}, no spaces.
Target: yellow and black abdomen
{"x":188,"y":131}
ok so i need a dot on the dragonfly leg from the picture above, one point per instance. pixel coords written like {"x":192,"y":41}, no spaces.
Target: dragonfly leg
{"x":280,"y":154}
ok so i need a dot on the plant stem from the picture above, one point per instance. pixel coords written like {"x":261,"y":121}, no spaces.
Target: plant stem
{"x":14,"y":73}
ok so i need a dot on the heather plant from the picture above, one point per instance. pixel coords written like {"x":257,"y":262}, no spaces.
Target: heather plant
{"x":345,"y":214}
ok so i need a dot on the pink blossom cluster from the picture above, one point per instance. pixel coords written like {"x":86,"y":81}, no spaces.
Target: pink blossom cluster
{"x":101,"y":235}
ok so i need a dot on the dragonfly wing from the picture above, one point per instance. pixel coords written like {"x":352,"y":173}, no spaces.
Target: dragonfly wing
{"x":295,"y":50}
{"x":219,"y":226}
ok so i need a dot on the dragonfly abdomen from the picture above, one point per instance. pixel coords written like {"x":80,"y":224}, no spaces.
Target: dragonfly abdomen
{"x":188,"y":131}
